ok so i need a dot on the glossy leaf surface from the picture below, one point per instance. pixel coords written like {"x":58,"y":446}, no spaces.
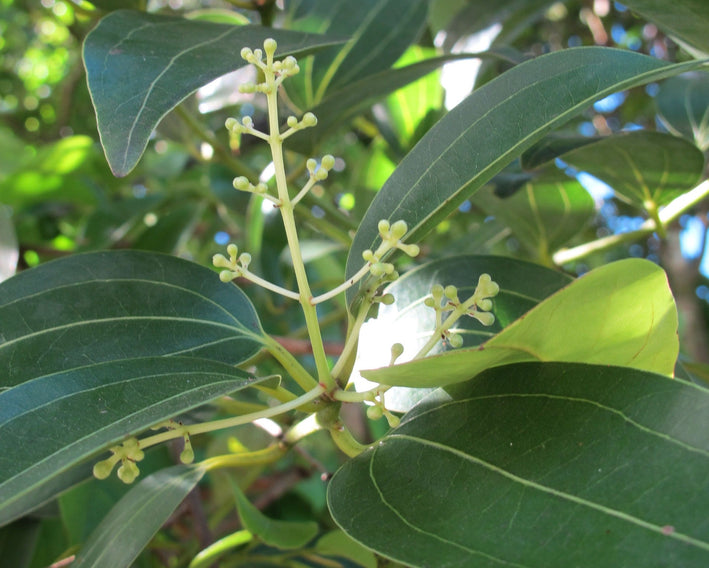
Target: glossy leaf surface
{"x":683,"y":105}
{"x":685,"y":20}
{"x":493,"y":126}
{"x":622,"y":313}
{"x":536,"y":465}
{"x":135,"y":519}
{"x":85,"y":309}
{"x":140,"y":66}
{"x":644,"y":168}
{"x":373,"y":45}
{"x":544,"y":214}
{"x":97,"y":405}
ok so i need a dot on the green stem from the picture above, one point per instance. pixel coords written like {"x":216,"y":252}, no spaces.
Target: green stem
{"x":231,"y":422}
{"x":345,"y":441}
{"x":669,"y":213}
{"x":259,"y":457}
{"x":309,"y":311}
{"x":290,"y":364}
{"x":348,"y":352}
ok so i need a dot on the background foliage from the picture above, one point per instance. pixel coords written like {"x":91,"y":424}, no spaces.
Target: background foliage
{"x":641,"y":128}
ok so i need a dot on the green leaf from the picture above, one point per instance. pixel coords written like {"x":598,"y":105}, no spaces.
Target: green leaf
{"x":140,"y":66}
{"x":89,"y":308}
{"x":622,"y":313}
{"x":97,"y":405}
{"x":683,"y":105}
{"x":343,"y":105}
{"x":494,"y":125}
{"x":545,"y":214}
{"x":374,"y":44}
{"x":286,"y":535}
{"x":136,"y":518}
{"x":337,"y":543}
{"x":646,"y":169}
{"x":109,"y":5}
{"x":172,"y":229}
{"x":536,"y":465}
{"x":685,"y":20}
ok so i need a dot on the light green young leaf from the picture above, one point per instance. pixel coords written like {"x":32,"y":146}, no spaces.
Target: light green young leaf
{"x":286,"y":535}
{"x":135,"y":519}
{"x":493,"y":126}
{"x":683,"y":106}
{"x":536,"y":465}
{"x":140,"y":66}
{"x":622,"y":314}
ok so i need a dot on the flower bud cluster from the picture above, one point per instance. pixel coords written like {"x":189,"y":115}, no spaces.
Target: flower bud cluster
{"x":236,"y":265}
{"x":128,"y":454}
{"x":445,"y":300}
{"x":274,"y":71}
{"x":391,"y":235}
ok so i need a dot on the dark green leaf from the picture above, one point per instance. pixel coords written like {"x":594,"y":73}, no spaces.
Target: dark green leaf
{"x":409,"y":322}
{"x":109,"y":5}
{"x":646,"y":169}
{"x":493,"y":126}
{"x":621,"y":313}
{"x":140,"y":66}
{"x":551,"y":147}
{"x":286,"y":535}
{"x":341,"y":106}
{"x":136,"y":518}
{"x":18,"y":542}
{"x":96,"y":405}
{"x":171,"y":230}
{"x":545,"y":214}
{"x":685,"y":20}
{"x":374,"y":44}
{"x":538,"y":465}
{"x":683,"y":105}
{"x":89,"y":308}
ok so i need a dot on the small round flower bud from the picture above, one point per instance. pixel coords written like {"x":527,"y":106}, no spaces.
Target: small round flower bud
{"x":292,"y":121}
{"x":270,"y":46}
{"x":231,"y":123}
{"x":437,"y":291}
{"x":241,"y":183}
{"x":103,"y":468}
{"x":399,"y":229}
{"x":247,"y":121}
{"x":246,"y":53}
{"x":311,"y":164}
{"x":485,"y":304}
{"x":396,"y":351}
{"x":455,"y":340}
{"x":258,"y":54}
{"x":374,"y":412}
{"x":187,"y":455}
{"x":392,"y":420}
{"x":245,"y":259}
{"x":227,"y":276}
{"x":430,"y":302}
{"x":383,"y":226}
{"x":411,"y":250}
{"x":290,"y":63}
{"x":321,"y":174}
{"x":247,"y":88}
{"x":387,"y":299}
{"x":485,"y":318}
{"x":128,"y":472}
{"x":309,"y":119}
{"x":220,"y":261}
{"x":368,"y":255}
{"x":451,"y":292}
{"x":328,"y":162}
{"x":232,"y":250}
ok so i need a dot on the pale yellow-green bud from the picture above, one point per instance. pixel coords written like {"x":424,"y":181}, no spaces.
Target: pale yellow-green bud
{"x":246,"y":53}
{"x":103,"y":468}
{"x":187,"y":455}
{"x":270,"y":46}
{"x":309,"y":119}
{"x":451,"y":293}
{"x":486,"y":287}
{"x":387,"y":299}
{"x":241,"y":183}
{"x":399,"y":229}
{"x":328,"y":162}
{"x":247,"y":121}
{"x":311,"y":164}
{"x":128,"y":472}
{"x":231,"y":123}
{"x":391,"y":419}
{"x":396,"y":351}
{"x":411,"y":250}
{"x":455,"y":340}
{"x":292,"y":121}
{"x":290,"y":63}
{"x":245,"y":259}
{"x":232,"y":250}
{"x":485,"y":318}
{"x":381,"y":268}
{"x":227,"y":275}
{"x":430,"y":302}
{"x":374,"y":412}
{"x":321,"y":174}
{"x":220,"y":261}
{"x":258,"y":54}
{"x":368,"y":255}
{"x":247,"y":88}
{"x":383,"y":226}
{"x":437,"y":292}
{"x":485,"y":304}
